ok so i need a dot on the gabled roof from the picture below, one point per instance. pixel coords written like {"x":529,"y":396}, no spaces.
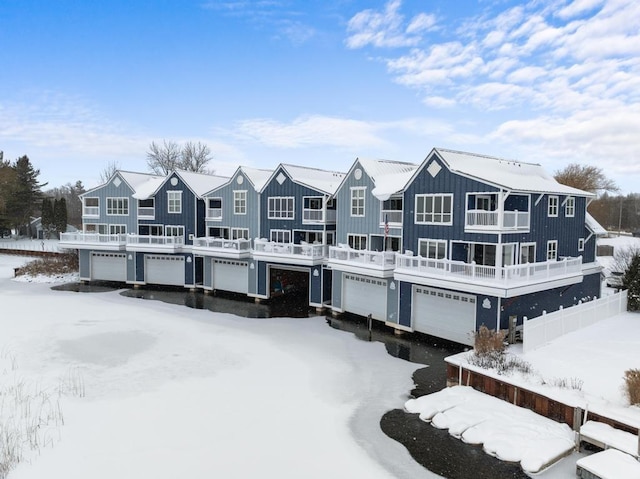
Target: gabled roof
{"x":133,"y":179}
{"x":389,"y":177}
{"x":509,"y":174}
{"x":323,"y":181}
{"x":256,"y":177}
{"x":198,"y":183}
{"x":594,"y":226}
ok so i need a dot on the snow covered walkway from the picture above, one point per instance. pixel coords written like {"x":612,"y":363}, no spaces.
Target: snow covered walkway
{"x":507,"y":432}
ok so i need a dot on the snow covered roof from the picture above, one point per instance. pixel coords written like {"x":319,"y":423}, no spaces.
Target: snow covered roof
{"x":324,"y":181}
{"x":201,"y":183}
{"x":133,"y":179}
{"x":389,"y":177}
{"x":594,"y":226}
{"x":258,"y":177}
{"x":147,"y":188}
{"x":510,"y":174}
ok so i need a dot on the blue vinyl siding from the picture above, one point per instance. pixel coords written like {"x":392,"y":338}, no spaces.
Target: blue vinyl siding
{"x":336,"y":289}
{"x":110,"y":190}
{"x":250,"y":220}
{"x":187,"y":216}
{"x":286,"y":189}
{"x":367,"y":225}
{"x":84,"y":260}
{"x":131,"y":267}
{"x":393,"y":293}
{"x":404,"y":309}
{"x":315,"y":285}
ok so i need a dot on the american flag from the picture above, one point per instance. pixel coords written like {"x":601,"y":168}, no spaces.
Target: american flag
{"x":386,"y":225}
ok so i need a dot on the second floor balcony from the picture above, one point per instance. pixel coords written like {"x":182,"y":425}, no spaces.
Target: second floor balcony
{"x":379,"y":261}
{"x":310,"y":215}
{"x":152,"y":243}
{"x":237,"y":248}
{"x":303,"y":253}
{"x":532,"y":275}
{"x":482,"y":220}
{"x":83,"y":240}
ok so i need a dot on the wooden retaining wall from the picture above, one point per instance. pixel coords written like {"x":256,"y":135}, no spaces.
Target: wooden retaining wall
{"x":538,"y":403}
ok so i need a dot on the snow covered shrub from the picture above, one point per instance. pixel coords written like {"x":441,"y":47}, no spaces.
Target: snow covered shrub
{"x":632,"y":385}
{"x":51,"y":265}
{"x":488,"y":341}
{"x":631,"y":282}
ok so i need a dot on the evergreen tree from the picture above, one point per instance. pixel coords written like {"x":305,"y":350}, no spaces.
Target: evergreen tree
{"x":60,"y":215}
{"x":46,"y":218}
{"x":7,"y":185}
{"x":631,"y":282}
{"x":26,"y":194}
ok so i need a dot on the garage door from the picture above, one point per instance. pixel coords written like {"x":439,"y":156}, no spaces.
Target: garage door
{"x":109,"y":267}
{"x":444,"y":314}
{"x":230,"y":275}
{"x":363,"y":295}
{"x":164,"y":269}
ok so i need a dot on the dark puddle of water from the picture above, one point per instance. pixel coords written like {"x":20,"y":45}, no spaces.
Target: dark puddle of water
{"x":432,"y":448}
{"x":290,"y":306}
{"x":94,"y":287}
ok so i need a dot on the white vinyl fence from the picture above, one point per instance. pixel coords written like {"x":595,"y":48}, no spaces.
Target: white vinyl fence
{"x":539,"y":331}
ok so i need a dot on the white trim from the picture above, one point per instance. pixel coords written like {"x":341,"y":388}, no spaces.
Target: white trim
{"x":570,"y":205}
{"x":433,"y":212}
{"x":552,"y":250}
{"x":125,"y":201}
{"x":581,"y":243}
{"x":359,"y":237}
{"x":96,"y":207}
{"x":277,"y":213}
{"x":527,"y":244}
{"x":236,"y":200}
{"x":553,"y":206}
{"x":170,"y":200}
{"x":437,"y":242}
{"x":362,"y":189}
{"x":236,"y":230}
{"x":280,"y":231}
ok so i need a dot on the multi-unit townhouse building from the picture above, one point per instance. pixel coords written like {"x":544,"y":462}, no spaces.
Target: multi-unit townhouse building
{"x":441,"y":248}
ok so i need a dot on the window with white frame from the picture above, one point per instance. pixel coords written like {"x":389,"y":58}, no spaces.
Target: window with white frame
{"x":99,"y":228}
{"x":218,"y":232}
{"x":570,"y":207}
{"x":117,"y":206}
{"x":281,"y":207}
{"x":117,"y":229}
{"x":527,"y":253}
{"x":357,"y":201}
{"x":552,"y":206}
{"x":357,"y":241}
{"x":174,"y":201}
{"x":174,"y":231}
{"x":434,"y":209}
{"x":214,"y":208}
{"x":239,"y":233}
{"x":281,"y":236}
{"x":580,"y":244}
{"x":433,"y":249}
{"x":240,"y":202}
{"x":91,"y":207}
{"x":552,"y":250}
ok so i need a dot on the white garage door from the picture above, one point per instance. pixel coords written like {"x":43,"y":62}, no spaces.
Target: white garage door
{"x":444,"y":314}
{"x":164,"y":269}
{"x":363,"y":295}
{"x":109,"y":266}
{"x":229,"y":275}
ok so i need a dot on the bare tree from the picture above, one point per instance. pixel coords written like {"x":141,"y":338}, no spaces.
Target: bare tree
{"x":195,"y":157}
{"x":161,"y":159}
{"x":109,"y":170}
{"x":586,"y":178}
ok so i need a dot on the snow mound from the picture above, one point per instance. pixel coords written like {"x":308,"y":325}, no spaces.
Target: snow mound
{"x":42,"y":278}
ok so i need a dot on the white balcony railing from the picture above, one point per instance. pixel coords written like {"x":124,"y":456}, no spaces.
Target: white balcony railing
{"x":392,"y":216}
{"x":92,"y":238}
{"x":288,"y":249}
{"x":91,"y":211}
{"x":240,"y":245}
{"x":151,"y":240}
{"x":490,"y":220}
{"x":379,"y":259}
{"x":214,"y":214}
{"x":519,"y":273}
{"x":318,"y":216}
{"x":146,"y":212}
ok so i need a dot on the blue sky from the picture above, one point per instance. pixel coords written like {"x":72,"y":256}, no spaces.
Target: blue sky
{"x":319,"y":83}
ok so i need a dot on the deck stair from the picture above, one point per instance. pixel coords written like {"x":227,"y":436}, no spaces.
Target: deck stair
{"x":605,"y":436}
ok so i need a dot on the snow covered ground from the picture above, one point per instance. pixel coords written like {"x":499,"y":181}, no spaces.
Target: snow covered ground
{"x":29,"y":244}
{"x":175,"y":392}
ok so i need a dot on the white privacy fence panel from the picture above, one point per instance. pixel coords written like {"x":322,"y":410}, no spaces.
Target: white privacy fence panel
{"x":538,"y":331}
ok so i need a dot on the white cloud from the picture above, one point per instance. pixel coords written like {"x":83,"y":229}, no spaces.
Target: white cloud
{"x":578,"y":7}
{"x":385,"y":29}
